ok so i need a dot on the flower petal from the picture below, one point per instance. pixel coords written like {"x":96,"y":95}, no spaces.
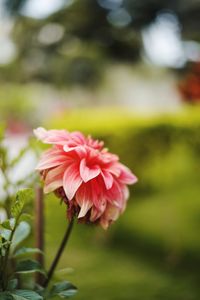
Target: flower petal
{"x":88,"y":173}
{"x":108,"y":179}
{"x":114,"y":195}
{"x":95,"y":214}
{"x":47,"y":162}
{"x":111,"y":214}
{"x":52,"y":158}
{"x":54,"y":179}
{"x":83,"y":198}
{"x":52,"y":136}
{"x":126,"y":176}
{"x":80,"y":150}
{"x":86,"y":205}
{"x":114,"y":168}
{"x":71,"y":180}
{"x":78,"y":137}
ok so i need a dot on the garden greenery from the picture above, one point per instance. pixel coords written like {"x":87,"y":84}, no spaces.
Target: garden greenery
{"x":18,"y":269}
{"x":15,"y":260}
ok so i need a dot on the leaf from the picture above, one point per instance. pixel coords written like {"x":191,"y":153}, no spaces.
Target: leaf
{"x":29,"y":266}
{"x":5,"y":234}
{"x":39,"y":289}
{"x":12,"y":284}
{"x":67,"y":294}
{"x":25,"y":217}
{"x":62,"y":289}
{"x":9,"y":224}
{"x":21,"y":233}
{"x":64,"y":271}
{"x":5,"y":296}
{"x":22,"y":197}
{"x":26,"y":295}
{"x":26,"y":251}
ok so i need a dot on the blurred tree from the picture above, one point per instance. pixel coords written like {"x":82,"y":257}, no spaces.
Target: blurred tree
{"x":76,"y":43}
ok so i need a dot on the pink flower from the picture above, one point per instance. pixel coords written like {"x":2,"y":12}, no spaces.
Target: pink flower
{"x":90,"y":179}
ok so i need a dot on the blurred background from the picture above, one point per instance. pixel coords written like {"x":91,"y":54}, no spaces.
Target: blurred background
{"x":127,"y":72}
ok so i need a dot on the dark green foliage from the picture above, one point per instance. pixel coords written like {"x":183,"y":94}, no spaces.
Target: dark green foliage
{"x":29,"y":266}
{"x":13,"y":232}
{"x":63,"y":290}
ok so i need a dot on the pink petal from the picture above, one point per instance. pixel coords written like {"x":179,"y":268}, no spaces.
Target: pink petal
{"x":126,"y":176}
{"x":96,"y":144}
{"x":108,"y":157}
{"x":125,"y":192}
{"x":83,"y":198}
{"x":98,"y":193}
{"x":88,"y":173}
{"x":80,"y":150}
{"x":71,"y":180}
{"x":84,"y":209}
{"x":47,"y":162}
{"x":52,"y":136}
{"x":95,"y":214}
{"x":115,"y":195}
{"x":78,"y":137}
{"x":111,"y":214}
{"x":108,"y":179}
{"x":40,"y":133}
{"x":115,"y":169}
{"x":54,"y":179}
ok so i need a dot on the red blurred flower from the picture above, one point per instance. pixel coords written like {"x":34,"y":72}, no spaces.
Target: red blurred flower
{"x":189,"y":87}
{"x":90,"y":179}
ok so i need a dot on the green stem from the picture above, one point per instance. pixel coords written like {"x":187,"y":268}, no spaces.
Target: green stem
{"x":58,"y":255}
{"x":8,"y":199}
{"x":5,"y":263}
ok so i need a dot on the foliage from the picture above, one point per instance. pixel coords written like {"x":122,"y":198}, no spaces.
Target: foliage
{"x":16,"y":258}
{"x":13,"y":231}
{"x":95,"y":34}
{"x":13,"y":259}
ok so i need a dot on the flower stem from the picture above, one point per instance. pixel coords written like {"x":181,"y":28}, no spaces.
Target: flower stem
{"x":39,"y":230}
{"x":58,"y":255}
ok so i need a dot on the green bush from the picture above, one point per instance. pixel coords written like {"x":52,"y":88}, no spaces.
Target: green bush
{"x":163,"y":152}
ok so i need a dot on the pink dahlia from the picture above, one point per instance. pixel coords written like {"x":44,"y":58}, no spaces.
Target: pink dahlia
{"x":90,"y":179}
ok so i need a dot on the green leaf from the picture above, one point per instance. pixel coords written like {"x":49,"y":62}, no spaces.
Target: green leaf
{"x":5,"y":296}
{"x":21,"y":233}
{"x":5,"y":233}
{"x":64,"y":271}
{"x":26,"y":251}
{"x":22,"y":197}
{"x":39,"y":289}
{"x":62,"y":289}
{"x":25,"y":217}
{"x":29,"y":266}
{"x":67,"y":294}
{"x":9,"y":224}
{"x":26,"y":295}
{"x":12,"y":284}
